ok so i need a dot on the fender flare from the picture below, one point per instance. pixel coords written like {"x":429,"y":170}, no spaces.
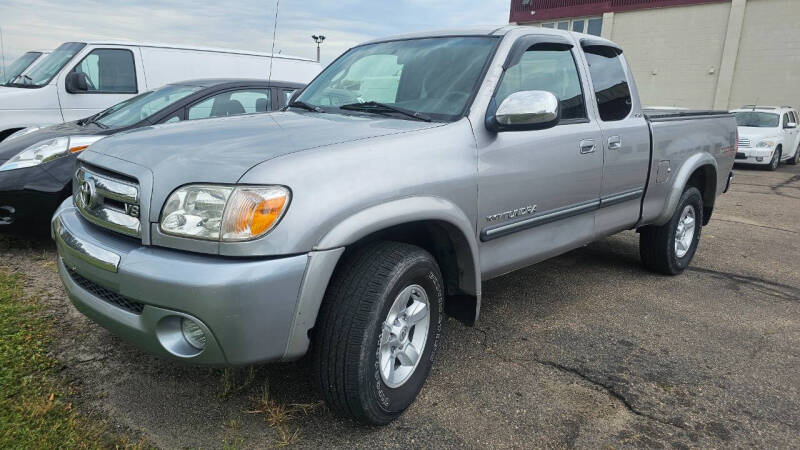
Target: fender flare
{"x":402,"y":211}
{"x":688,"y":167}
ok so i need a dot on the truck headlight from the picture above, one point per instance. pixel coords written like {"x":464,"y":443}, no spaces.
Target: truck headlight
{"x":48,"y":150}
{"x":224,"y":213}
{"x":766,"y":143}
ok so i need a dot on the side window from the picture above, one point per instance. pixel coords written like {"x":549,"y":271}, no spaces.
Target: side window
{"x":793,"y":116}
{"x":172,"y":119}
{"x":610,"y":84}
{"x":287,"y":95}
{"x":109,"y":71}
{"x":232,"y":103}
{"x":550,"y":70}
{"x":786,"y":120}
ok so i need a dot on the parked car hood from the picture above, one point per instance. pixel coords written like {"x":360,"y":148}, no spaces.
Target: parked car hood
{"x":756,"y":133}
{"x":222,"y":150}
{"x":15,"y":98}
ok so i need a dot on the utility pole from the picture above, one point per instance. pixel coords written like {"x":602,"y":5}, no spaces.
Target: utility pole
{"x":318,"y":40}
{"x":3,"y":54}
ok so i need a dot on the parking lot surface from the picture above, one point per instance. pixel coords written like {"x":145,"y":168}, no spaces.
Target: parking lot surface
{"x":584,"y":350}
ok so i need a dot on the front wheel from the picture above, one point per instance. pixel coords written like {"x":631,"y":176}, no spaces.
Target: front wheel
{"x":669,"y":248}
{"x":776,"y":160}
{"x":378,"y":331}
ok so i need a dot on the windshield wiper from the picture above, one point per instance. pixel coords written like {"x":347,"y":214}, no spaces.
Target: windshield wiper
{"x":306,"y":106}
{"x":380,"y":108}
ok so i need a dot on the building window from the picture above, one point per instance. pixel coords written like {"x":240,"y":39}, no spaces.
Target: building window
{"x":589,"y":25}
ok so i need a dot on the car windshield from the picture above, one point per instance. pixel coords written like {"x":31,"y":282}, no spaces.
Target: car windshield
{"x":435,"y":77}
{"x":47,"y":68}
{"x":757,"y":119}
{"x":18,"y":66}
{"x":142,"y":106}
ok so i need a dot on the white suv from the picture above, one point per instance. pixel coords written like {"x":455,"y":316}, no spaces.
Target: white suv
{"x":768,"y":135}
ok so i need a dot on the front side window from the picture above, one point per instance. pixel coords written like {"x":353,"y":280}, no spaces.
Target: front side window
{"x":546,"y":70}
{"x":756,"y":119}
{"x":611,"y":87}
{"x":109,"y":71}
{"x":143,"y":106}
{"x":786,"y":120}
{"x":45,"y":70}
{"x":232,"y":103}
{"x":18,"y":66}
{"x":435,"y":77}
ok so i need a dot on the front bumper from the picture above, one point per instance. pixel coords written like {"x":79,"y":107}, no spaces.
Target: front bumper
{"x":752,"y":155}
{"x":245,"y":307}
{"x":29,"y":196}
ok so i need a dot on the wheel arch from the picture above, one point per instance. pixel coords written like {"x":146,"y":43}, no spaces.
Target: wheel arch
{"x":433,"y":223}
{"x":699,"y":170}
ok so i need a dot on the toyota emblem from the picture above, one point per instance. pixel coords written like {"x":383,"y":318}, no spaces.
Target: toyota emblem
{"x":87,"y":193}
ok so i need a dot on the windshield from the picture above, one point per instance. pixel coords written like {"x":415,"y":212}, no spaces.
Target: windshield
{"x":433,"y":76}
{"x":757,"y":119}
{"x":18,"y":66}
{"x":42,"y":73}
{"x":142,"y":106}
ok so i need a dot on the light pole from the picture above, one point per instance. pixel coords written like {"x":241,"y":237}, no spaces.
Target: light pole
{"x":318,"y":40}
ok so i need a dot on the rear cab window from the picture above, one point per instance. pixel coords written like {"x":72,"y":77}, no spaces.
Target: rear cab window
{"x":611,"y":88}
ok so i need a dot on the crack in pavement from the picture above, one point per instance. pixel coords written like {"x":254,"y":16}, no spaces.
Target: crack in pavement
{"x":717,"y":219}
{"x":771,"y":288}
{"x":611,"y":390}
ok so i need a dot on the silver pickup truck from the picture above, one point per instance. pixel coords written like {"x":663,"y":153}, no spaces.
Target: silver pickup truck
{"x":409,"y":171}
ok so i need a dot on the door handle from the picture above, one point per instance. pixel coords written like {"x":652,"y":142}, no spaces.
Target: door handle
{"x":614,"y":143}
{"x":587,"y":146}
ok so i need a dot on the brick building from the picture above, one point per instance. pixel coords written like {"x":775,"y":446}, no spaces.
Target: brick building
{"x":691,"y":53}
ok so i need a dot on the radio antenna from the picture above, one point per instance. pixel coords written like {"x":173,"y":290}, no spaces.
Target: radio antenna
{"x":274,"y":33}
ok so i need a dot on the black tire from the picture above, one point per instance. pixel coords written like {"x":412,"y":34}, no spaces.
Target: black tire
{"x":795,"y":159}
{"x":657,"y":243}
{"x":775,"y":162}
{"x":346,"y":341}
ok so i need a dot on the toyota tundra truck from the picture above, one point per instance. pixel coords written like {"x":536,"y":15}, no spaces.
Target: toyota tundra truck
{"x":412,"y":169}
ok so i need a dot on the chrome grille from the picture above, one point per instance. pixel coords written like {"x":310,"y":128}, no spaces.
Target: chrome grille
{"x":744,"y":142}
{"x":107,"y":295}
{"x":108,"y":201}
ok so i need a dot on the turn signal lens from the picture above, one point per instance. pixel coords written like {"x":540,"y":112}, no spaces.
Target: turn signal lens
{"x":253,"y":211}
{"x":78,"y":149}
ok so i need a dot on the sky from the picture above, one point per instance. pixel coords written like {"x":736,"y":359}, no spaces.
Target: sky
{"x":237,"y":24}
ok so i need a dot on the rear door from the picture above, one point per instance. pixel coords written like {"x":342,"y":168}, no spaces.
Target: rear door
{"x":538,"y":190}
{"x":113,"y":74}
{"x":626,"y":137}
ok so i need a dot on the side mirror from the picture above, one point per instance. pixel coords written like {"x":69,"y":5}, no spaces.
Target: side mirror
{"x":526,"y":110}
{"x":76,"y":82}
{"x":791,"y":125}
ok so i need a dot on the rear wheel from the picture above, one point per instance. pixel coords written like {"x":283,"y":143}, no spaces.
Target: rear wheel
{"x":669,"y":248}
{"x":378,"y":331}
{"x":796,"y":158}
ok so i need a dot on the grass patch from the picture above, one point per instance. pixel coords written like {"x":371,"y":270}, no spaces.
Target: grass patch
{"x":35,"y":410}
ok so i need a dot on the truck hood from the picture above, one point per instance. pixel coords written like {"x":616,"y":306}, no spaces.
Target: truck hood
{"x":15,"y":98}
{"x":222,"y":150}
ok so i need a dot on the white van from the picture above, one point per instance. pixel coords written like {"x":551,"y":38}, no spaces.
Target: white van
{"x":20,"y":65}
{"x":79,"y":79}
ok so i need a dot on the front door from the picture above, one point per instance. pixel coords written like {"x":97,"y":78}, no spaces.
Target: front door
{"x":538,"y":190}
{"x":625,"y":142}
{"x":111,"y":77}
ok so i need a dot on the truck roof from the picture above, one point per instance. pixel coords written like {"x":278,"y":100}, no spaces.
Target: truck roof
{"x":491,"y":31}
{"x":207,"y":82}
{"x":192,"y":47}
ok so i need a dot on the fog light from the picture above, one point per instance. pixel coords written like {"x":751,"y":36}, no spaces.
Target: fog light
{"x":193,"y":334}
{"x":759,"y":158}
